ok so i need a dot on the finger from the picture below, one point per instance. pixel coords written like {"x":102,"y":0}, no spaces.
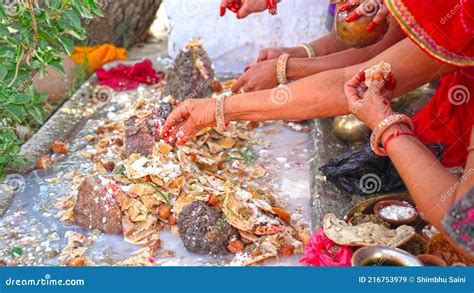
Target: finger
{"x":379,"y":17}
{"x":376,"y":88}
{"x":186,"y":132}
{"x":348,"y":5}
{"x":353,"y":16}
{"x":171,"y":139}
{"x":352,"y":85}
{"x":262,"y":56}
{"x":174,"y":119}
{"x":244,"y":11}
{"x":238,"y":84}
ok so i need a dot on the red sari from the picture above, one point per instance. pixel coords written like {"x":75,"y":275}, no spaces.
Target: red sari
{"x":444,"y":29}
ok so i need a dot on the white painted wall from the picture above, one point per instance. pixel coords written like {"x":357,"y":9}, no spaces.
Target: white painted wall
{"x":233,"y":43}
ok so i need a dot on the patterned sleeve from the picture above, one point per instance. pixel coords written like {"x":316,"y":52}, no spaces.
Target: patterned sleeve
{"x":459,"y":222}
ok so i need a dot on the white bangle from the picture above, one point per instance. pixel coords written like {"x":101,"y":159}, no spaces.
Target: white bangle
{"x":281,"y":68}
{"x":219,"y":112}
{"x":309,"y":50}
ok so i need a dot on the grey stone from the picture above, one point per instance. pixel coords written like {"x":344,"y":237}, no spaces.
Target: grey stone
{"x":6,"y":197}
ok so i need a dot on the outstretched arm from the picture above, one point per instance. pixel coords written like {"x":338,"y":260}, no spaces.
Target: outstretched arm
{"x":262,"y":75}
{"x":316,"y":96}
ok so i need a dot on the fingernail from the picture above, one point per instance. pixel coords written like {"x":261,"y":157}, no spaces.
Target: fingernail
{"x":361,"y":76}
{"x":246,"y":68}
{"x":371,"y":26}
{"x":181,"y":142}
{"x":222,"y":11}
{"x":392,"y":85}
{"x":345,"y":6}
{"x":180,"y":135}
{"x":352,"y":16}
{"x":389,"y":77}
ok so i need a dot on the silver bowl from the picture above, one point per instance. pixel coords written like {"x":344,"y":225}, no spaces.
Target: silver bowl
{"x":384,"y":256}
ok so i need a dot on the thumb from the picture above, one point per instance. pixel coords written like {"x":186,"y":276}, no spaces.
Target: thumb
{"x":263,"y":55}
{"x":244,"y":11}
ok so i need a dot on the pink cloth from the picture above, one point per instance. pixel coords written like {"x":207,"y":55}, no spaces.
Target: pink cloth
{"x":323,"y":252}
{"x":125,"y":77}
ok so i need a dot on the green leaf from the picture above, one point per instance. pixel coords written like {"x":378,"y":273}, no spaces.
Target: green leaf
{"x":37,"y":113}
{"x":4,"y":30}
{"x":3,"y":16}
{"x":67,"y":44}
{"x":3,"y":72}
{"x":15,"y":251}
{"x":58,"y":66}
{"x":21,"y":99}
{"x":72,"y":18}
{"x":55,"y":4}
{"x":94,"y":8}
{"x":16,"y":112}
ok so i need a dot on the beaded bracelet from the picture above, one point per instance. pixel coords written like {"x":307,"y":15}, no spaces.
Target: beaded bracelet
{"x":220,"y":121}
{"x":281,"y":68}
{"x":395,"y":134}
{"x":385,"y":124}
{"x":309,"y":50}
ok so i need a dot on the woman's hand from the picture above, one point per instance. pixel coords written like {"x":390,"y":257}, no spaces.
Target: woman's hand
{"x":189,"y":118}
{"x":367,"y":8}
{"x":259,"y":76}
{"x":274,"y":53}
{"x":243,"y":8}
{"x":374,"y":106}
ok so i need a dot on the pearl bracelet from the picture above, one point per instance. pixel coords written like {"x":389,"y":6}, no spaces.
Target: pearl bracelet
{"x":309,"y":50}
{"x":281,"y":68}
{"x":219,"y":111}
{"x":385,"y":124}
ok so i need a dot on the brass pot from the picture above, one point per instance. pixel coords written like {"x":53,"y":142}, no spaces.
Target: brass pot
{"x":384,"y":256}
{"x":350,"y":129}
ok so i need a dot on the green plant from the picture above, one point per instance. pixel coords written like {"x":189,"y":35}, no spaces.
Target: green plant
{"x":33,"y":35}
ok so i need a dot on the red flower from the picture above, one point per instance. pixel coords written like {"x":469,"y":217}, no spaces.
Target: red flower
{"x":323,"y":252}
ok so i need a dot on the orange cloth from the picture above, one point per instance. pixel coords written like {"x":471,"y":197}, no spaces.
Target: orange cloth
{"x":95,"y":57}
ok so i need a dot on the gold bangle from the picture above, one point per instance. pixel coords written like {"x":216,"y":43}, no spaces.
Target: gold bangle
{"x":220,"y":121}
{"x":309,"y":50}
{"x":281,"y":68}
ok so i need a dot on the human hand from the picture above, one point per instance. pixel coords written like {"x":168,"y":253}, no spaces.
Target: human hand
{"x":367,"y":8}
{"x":374,"y":106}
{"x":187,"y":119}
{"x":274,"y":53}
{"x":243,"y":8}
{"x":258,"y":76}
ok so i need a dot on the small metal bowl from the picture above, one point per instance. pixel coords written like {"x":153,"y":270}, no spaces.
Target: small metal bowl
{"x":390,"y":202}
{"x":384,"y":256}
